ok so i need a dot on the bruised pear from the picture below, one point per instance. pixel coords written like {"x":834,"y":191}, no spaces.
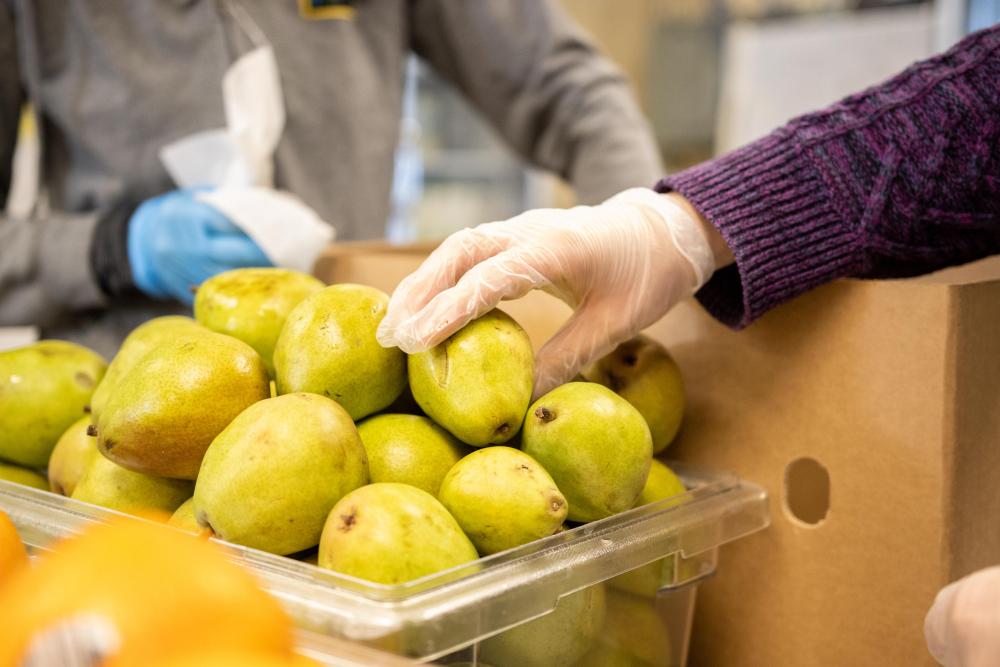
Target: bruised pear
{"x":477,"y":383}
{"x":109,"y":485}
{"x":502,"y":498}
{"x":391,"y":533}
{"x":595,"y":445}
{"x":23,"y":476}
{"x":253,"y":304}
{"x":143,"y":339}
{"x":44,"y":387}
{"x":409,"y":449}
{"x":328,"y":347}
{"x":642,"y":372}
{"x":166,"y":412}
{"x":71,"y":457}
{"x":269,"y":479}
{"x":557,"y":639}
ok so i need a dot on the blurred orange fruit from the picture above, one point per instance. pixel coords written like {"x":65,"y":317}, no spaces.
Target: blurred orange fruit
{"x":163,"y":593}
{"x":226,"y":659}
{"x":13,"y":556}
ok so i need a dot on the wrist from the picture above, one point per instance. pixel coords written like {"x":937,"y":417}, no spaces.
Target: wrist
{"x":721,"y":253}
{"x":683,"y":225}
{"x":108,"y":254}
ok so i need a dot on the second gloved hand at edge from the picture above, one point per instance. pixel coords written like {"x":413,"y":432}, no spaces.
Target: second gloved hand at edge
{"x":176,"y":242}
{"x":620,"y":265}
{"x":962,"y":628}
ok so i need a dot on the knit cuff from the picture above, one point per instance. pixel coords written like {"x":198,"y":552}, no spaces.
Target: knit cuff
{"x":773,"y":208}
{"x":109,"y":252}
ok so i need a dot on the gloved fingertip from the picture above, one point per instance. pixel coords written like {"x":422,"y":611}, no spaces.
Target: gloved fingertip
{"x":936,"y":622}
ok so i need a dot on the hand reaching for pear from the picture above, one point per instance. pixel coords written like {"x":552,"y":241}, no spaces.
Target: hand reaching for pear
{"x":620,"y":265}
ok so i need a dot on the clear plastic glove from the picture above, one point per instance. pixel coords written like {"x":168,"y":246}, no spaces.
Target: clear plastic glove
{"x":175,"y":242}
{"x":963,"y":626}
{"x":620,"y":265}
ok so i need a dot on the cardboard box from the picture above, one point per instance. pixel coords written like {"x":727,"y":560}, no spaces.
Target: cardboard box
{"x":892,"y":389}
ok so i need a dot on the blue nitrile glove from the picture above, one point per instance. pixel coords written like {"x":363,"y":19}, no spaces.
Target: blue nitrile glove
{"x":175,"y":242}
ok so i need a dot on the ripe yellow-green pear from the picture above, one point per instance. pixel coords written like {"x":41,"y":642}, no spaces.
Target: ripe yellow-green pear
{"x":328,"y":347}
{"x":502,"y":498}
{"x":633,"y":633}
{"x":143,"y":339}
{"x":109,"y":485}
{"x":595,"y":445}
{"x":184,"y":518}
{"x":24,"y":476}
{"x":166,"y":412}
{"x":642,"y":372}
{"x":253,"y":304}
{"x":71,"y":457}
{"x":270,"y":479}
{"x":558,"y":639}
{"x":44,"y":387}
{"x":392,"y":533}
{"x":410,"y":450}
{"x":477,"y":383}
{"x":662,"y":484}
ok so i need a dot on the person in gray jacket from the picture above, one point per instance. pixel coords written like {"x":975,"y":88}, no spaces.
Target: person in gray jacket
{"x":113,"y":82}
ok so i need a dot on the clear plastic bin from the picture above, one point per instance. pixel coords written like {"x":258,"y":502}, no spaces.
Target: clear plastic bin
{"x":619,"y":591}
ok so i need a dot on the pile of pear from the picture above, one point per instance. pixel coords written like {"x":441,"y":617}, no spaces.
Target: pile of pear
{"x":274,"y":419}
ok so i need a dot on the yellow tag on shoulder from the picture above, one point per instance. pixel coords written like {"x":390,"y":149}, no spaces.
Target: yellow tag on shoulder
{"x":326,"y":10}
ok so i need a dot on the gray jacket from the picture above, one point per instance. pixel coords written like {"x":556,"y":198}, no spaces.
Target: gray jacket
{"x":117,"y":79}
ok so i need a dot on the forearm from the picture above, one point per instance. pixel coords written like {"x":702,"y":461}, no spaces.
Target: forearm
{"x":899,"y":180}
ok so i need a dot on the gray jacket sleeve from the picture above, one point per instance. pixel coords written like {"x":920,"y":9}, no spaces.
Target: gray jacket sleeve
{"x":541,"y":82}
{"x":45,"y":265}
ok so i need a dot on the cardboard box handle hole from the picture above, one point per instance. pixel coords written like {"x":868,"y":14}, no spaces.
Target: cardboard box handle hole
{"x":807,"y":492}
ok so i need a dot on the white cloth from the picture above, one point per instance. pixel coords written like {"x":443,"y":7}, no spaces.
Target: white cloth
{"x":235,"y":165}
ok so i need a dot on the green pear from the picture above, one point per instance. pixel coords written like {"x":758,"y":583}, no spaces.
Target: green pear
{"x":642,"y":372}
{"x":143,"y":339}
{"x":166,"y":412}
{"x":502,"y":498}
{"x":269,"y":480}
{"x":634,"y":629}
{"x":44,"y":387}
{"x":602,"y":655}
{"x":595,"y":445}
{"x":107,"y":484}
{"x":662,"y":484}
{"x":558,"y":639}
{"x":185,"y":519}
{"x":71,"y":457}
{"x":328,"y":347}
{"x":24,"y":476}
{"x":253,"y":304}
{"x":410,"y":450}
{"x":477,"y":383}
{"x":391,"y":533}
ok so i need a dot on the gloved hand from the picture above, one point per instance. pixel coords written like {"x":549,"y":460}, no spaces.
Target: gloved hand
{"x":175,"y":242}
{"x":620,"y":265}
{"x":962,"y":628}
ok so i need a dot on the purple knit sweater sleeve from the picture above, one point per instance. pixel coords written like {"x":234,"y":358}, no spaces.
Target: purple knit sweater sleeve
{"x":899,"y":180}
